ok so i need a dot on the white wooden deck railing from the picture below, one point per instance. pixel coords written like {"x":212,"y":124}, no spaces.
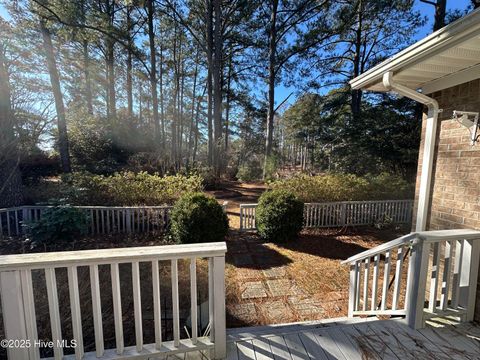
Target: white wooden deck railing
{"x":344,"y":213}
{"x":446,"y":260}
{"x":18,"y":305}
{"x":101,"y":219}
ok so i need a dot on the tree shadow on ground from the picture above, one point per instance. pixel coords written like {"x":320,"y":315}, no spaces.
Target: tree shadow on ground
{"x":338,"y":245}
{"x":247,"y":250}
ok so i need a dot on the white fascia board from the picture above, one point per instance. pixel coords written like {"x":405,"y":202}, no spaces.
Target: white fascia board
{"x":449,"y":36}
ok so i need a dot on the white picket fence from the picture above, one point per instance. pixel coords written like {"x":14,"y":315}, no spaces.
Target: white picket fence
{"x":100,"y":219}
{"x":344,"y":213}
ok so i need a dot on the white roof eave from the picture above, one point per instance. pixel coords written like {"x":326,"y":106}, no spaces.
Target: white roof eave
{"x":441,"y":40}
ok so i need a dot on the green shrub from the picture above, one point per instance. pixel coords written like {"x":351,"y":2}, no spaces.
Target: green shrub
{"x":279,"y":216}
{"x":128,"y":188}
{"x":56,"y":227}
{"x":345,"y":187}
{"x":250,"y":171}
{"x":197,"y":218}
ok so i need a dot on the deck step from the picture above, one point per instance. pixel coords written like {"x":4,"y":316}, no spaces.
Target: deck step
{"x":245,"y":333}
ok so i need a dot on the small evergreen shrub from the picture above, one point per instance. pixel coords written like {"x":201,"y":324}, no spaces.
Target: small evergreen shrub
{"x":197,"y":218}
{"x":57,"y":227}
{"x":279,"y":216}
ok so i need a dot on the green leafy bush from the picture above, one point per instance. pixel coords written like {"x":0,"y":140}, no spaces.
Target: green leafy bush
{"x":346,"y":187}
{"x":279,"y":216}
{"x":56,"y":227}
{"x":250,"y":171}
{"x":128,"y":188}
{"x":197,"y":218}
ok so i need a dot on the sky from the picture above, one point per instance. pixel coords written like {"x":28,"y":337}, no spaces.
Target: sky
{"x":427,"y":10}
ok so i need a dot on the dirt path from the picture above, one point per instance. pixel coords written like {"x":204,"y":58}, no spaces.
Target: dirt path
{"x":236,"y":193}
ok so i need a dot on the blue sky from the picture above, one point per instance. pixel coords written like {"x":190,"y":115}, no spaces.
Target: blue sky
{"x":425,"y":9}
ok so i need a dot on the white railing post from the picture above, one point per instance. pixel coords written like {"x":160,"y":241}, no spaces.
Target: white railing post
{"x":241,"y":217}
{"x":352,"y":291}
{"x":343,"y":215}
{"x":13,"y":312}
{"x":468,"y":277}
{"x":219,"y":322}
{"x":417,"y":279}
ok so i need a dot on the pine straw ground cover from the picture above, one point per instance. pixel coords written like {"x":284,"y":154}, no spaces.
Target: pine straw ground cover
{"x":300,"y":280}
{"x":266,"y":283}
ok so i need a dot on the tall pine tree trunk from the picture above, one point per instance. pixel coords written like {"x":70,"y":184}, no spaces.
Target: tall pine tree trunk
{"x":57,"y":94}
{"x":129,"y":83}
{"x":10,"y":180}
{"x":271,"y":84}
{"x":153,"y":71}
{"x":217,"y":87}
{"x":357,"y":94}
{"x":209,"y":17}
{"x":162,"y":107}
{"x":88,"y":81}
{"x":110,"y":61}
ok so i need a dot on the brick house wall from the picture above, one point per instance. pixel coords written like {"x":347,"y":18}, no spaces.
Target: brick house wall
{"x":456,"y":181}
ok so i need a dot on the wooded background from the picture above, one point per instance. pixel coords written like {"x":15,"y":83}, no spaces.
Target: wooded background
{"x":186,"y":86}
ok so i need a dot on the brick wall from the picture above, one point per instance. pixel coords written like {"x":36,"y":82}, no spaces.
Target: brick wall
{"x":456,"y":181}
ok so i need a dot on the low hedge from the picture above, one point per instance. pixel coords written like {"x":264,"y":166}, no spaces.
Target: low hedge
{"x":197,"y":218}
{"x":120,"y":189}
{"x":279,"y":216}
{"x":345,"y":187}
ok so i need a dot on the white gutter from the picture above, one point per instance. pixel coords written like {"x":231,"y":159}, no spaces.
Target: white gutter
{"x":428,"y":146}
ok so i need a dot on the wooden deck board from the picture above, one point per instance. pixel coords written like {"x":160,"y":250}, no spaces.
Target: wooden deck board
{"x":263,"y":350}
{"x":312,"y":347}
{"x":279,"y":348}
{"x":375,"y":340}
{"x":328,"y":344}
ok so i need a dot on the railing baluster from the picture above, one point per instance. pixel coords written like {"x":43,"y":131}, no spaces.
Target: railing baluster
{"x":219,"y":326}
{"x":157,"y":316}
{"x":17,"y":224}
{"x":459,"y":244}
{"x":398,"y":278}
{"x":446,"y":275}
{"x":137,"y":305}
{"x":175,"y":304}
{"x":75,"y":309}
{"x":97,"y":310}
{"x":375,"y":282}
{"x":353,"y":292}
{"x":8,"y":223}
{"x":117,"y":307}
{"x":29,"y":308}
{"x":193,"y":297}
{"x":432,"y":303}
{"x":386,"y":279}
{"x":365,"y":283}
{"x":358,"y":282}
{"x":54,"y":312}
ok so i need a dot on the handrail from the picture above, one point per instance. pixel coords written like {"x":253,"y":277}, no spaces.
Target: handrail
{"x":414,"y":237}
{"x":409,"y":238}
{"x":446,"y":260}
{"x":108,"y":256}
{"x":18,"y":291}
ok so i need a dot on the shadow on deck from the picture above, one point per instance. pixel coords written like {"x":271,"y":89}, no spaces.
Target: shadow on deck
{"x":356,"y":339}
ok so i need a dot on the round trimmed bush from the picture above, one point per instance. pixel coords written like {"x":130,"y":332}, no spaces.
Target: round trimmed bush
{"x":279,"y":216}
{"x":197,"y":218}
